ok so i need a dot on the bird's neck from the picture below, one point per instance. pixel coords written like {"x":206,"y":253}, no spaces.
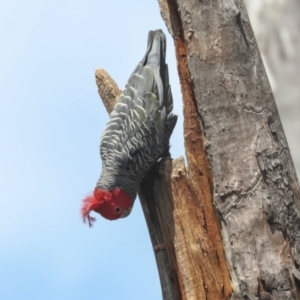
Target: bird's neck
{"x":110,"y":180}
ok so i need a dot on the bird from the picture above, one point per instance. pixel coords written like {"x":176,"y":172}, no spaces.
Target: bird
{"x":136,"y":135}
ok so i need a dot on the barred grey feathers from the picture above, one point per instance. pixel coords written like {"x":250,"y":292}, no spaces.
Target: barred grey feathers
{"x":141,"y":123}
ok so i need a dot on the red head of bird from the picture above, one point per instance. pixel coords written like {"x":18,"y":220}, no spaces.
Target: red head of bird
{"x":111,"y":205}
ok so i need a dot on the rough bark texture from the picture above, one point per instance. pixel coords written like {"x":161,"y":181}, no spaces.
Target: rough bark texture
{"x":255,"y":187}
{"x":276,"y":25}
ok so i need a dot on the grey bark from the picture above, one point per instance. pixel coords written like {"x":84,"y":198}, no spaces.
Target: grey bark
{"x":256,"y":190}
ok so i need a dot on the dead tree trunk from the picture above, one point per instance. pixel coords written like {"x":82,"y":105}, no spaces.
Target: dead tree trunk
{"x":255,"y":190}
{"x":227,"y":225}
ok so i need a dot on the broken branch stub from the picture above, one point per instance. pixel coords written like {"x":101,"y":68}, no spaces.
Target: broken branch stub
{"x":107,"y":89}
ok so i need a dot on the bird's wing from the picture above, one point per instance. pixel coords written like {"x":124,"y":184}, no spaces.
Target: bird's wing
{"x":132,"y":136}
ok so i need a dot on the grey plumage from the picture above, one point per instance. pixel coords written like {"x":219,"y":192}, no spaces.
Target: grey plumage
{"x":141,"y":123}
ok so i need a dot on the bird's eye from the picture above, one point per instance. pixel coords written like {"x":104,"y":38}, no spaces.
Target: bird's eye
{"x":118,"y":209}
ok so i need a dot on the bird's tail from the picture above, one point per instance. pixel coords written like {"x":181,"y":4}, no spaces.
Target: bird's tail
{"x":155,"y":57}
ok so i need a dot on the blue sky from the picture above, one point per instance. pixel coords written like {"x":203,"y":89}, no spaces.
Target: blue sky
{"x":51,"y":119}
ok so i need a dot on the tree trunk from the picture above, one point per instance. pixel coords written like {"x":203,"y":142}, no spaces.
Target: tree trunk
{"x":227,"y":224}
{"x":255,"y":188}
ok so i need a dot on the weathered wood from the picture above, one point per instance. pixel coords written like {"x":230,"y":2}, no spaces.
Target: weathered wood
{"x":255,"y":187}
{"x":157,"y":201}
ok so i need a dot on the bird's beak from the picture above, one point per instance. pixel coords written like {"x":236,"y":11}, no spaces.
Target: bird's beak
{"x":126,"y":213}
